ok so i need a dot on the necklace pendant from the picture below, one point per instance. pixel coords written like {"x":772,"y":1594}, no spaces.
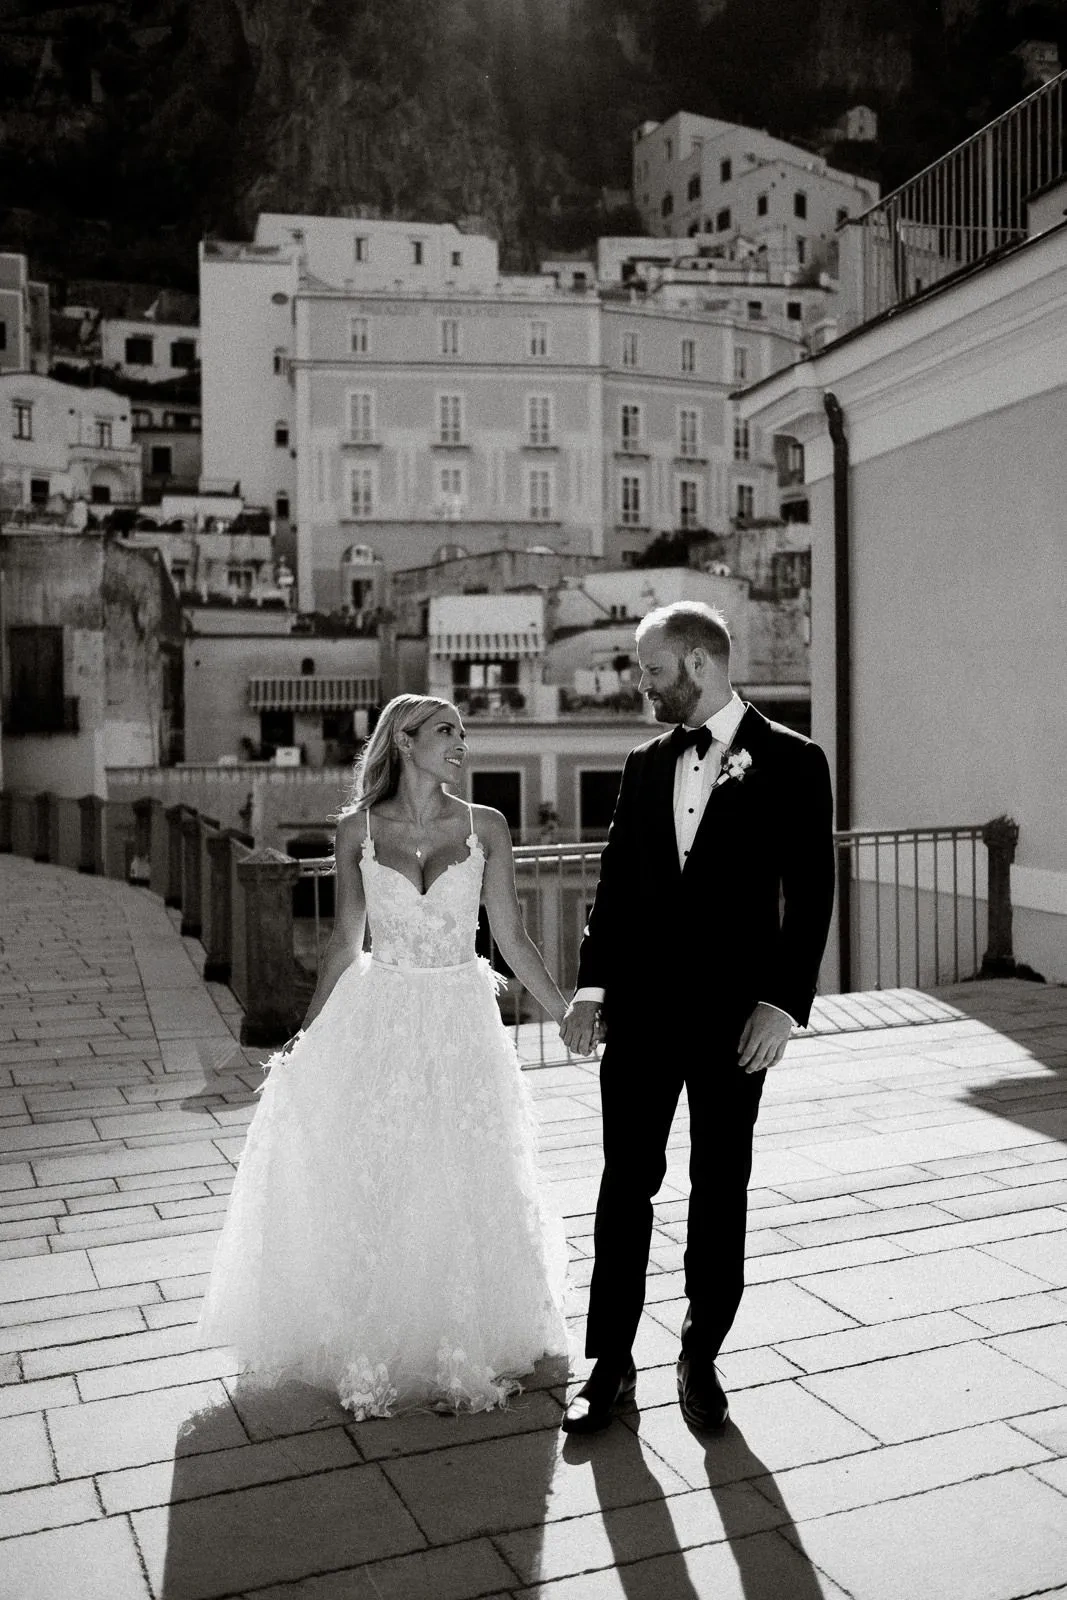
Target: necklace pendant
{"x":418,"y":854}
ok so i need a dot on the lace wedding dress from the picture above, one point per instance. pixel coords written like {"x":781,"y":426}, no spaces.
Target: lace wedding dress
{"x":386,"y":1235}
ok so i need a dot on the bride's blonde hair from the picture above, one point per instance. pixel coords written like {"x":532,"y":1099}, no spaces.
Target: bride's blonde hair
{"x":377,"y":773}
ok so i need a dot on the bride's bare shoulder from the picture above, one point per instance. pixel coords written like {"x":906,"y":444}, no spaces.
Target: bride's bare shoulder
{"x":491,"y":826}
{"x":350,"y":833}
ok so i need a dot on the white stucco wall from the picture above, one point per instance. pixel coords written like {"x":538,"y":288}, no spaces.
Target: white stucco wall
{"x":955,"y":414}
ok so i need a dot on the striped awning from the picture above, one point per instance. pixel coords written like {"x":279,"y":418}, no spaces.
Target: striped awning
{"x":481,"y":645}
{"x":313,"y":693}
{"x":486,"y":627}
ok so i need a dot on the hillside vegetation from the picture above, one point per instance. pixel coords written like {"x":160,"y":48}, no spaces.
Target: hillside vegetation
{"x":132,"y":127}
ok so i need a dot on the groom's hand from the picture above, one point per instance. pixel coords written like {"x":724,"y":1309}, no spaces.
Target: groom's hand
{"x":764,"y":1039}
{"x":580,"y":1028}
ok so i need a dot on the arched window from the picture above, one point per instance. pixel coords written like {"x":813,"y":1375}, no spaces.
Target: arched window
{"x":359,"y":555}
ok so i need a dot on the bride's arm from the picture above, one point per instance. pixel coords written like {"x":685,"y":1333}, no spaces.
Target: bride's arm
{"x":350,"y":913}
{"x":505,"y":914}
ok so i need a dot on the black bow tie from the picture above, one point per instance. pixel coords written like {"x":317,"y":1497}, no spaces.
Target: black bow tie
{"x":683,"y":737}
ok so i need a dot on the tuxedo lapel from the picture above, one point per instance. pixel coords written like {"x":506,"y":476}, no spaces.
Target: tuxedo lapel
{"x":662,"y":837}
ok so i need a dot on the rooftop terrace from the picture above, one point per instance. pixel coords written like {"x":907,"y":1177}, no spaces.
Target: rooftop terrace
{"x":898,"y":1374}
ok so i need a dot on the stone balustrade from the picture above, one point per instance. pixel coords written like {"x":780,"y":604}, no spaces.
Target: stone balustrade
{"x":238,"y":901}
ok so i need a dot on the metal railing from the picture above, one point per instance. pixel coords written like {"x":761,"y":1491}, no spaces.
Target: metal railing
{"x":914,"y":904}
{"x":922,"y":909}
{"x":263,"y":917}
{"x":964,"y":207}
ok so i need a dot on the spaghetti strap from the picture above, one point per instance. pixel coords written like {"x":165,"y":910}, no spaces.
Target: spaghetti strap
{"x":367,"y":836}
{"x":470,"y":817}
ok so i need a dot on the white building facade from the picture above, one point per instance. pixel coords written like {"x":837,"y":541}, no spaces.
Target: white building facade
{"x":698,"y":176}
{"x":953,"y":411}
{"x":418,"y":416}
{"x":60,"y":443}
{"x":147,"y":350}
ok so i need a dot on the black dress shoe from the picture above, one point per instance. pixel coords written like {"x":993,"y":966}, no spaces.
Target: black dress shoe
{"x":605,"y":1389}
{"x":701,"y":1395}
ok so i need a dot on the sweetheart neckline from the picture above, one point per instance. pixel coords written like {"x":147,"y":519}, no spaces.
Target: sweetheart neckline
{"x":473,"y":844}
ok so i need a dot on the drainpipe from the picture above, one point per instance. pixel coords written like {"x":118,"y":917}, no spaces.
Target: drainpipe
{"x":843,"y":682}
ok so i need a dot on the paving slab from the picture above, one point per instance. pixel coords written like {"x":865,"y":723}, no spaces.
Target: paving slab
{"x":93,"y":1561}
{"x":774,"y":1426}
{"x":473,"y":1567}
{"x":934,"y":1391}
{"x":213,"y":1472}
{"x":764,"y":1566}
{"x":105,"y":1435}
{"x":910,"y":1286}
{"x":290,"y":1530}
{"x":25,"y":1456}
{"x":900,"y":1470}
{"x":950,"y":1543}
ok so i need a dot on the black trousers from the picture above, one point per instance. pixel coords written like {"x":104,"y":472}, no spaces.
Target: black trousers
{"x":640,"y":1085}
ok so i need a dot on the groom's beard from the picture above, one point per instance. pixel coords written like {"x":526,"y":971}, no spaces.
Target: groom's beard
{"x":675,"y":702}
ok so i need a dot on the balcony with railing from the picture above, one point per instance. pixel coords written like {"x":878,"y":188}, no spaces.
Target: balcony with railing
{"x":960,"y":211}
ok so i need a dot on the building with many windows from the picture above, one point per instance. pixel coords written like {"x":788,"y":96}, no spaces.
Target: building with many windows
{"x":60,"y":443}
{"x":699,"y":176}
{"x":385,"y":386}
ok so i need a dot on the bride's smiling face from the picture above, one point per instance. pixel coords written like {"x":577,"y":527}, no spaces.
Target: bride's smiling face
{"x":439,"y":746}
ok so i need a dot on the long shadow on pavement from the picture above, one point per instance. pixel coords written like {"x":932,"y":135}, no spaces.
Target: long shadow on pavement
{"x":303,"y":1492}
{"x":727,"y":1540}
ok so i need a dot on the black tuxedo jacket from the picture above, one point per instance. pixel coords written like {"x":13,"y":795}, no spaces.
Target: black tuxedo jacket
{"x":747,"y":918}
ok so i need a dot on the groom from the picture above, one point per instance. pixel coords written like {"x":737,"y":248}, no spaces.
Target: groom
{"x":701,"y":953}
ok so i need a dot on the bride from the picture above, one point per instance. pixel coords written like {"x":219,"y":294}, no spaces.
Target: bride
{"x":386,"y":1235}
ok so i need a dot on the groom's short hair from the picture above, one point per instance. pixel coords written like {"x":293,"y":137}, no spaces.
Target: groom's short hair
{"x":688,"y":625}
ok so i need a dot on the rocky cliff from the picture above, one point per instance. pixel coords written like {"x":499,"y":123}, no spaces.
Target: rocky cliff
{"x":130,"y":127}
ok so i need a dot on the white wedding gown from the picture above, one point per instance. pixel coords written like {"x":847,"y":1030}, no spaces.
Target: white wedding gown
{"x":386,"y":1235}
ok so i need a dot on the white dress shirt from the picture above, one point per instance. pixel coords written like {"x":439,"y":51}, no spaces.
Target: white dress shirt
{"x":694,"y":776}
{"x":694,"y":779}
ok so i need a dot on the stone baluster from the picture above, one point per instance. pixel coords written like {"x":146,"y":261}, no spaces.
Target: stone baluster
{"x":191,"y":896}
{"x":172,"y":894}
{"x":218,"y":908}
{"x":44,"y":820}
{"x":140,"y":868}
{"x":91,"y":856}
{"x":272,"y":999}
{"x":159,"y":848}
{"x":1000,"y":838}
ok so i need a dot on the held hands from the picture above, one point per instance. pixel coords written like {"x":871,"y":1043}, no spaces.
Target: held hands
{"x":582,"y":1027}
{"x":764,"y":1039}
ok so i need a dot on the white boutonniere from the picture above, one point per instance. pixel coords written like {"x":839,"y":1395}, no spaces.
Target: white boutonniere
{"x":735,"y":764}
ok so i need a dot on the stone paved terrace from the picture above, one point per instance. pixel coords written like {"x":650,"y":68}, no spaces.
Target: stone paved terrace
{"x":898,"y":1373}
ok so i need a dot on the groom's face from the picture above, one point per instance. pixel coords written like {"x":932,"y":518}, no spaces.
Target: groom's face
{"x":666,"y":680}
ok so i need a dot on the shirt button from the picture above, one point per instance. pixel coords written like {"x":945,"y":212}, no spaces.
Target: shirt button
{"x":691,"y":809}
